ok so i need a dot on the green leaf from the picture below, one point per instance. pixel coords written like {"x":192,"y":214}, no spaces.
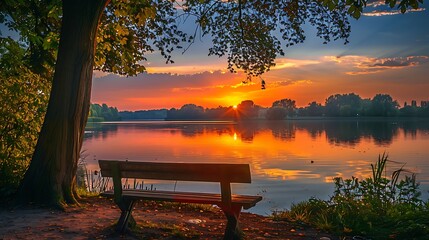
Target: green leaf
{"x":356,"y":14}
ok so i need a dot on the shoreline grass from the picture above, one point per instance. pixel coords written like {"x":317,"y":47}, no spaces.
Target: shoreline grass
{"x":378,"y":207}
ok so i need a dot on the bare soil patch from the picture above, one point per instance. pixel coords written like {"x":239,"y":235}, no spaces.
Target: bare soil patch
{"x":96,"y":216}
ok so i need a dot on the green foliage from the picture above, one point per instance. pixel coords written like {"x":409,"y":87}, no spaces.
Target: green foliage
{"x":243,"y":30}
{"x":144,"y":114}
{"x":313,"y":109}
{"x":100,"y":113}
{"x":377,"y":207}
{"x":276,"y":113}
{"x":287,"y":104}
{"x":38,"y":24}
{"x":383,"y":105}
{"x":352,"y":105}
{"x":245,"y":110}
{"x":186,"y":112}
{"x":131,"y":29}
{"x":344,"y":105}
{"x":23,"y":99}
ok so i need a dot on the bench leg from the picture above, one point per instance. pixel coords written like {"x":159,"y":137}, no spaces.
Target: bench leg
{"x":126,"y":218}
{"x":232,"y":231}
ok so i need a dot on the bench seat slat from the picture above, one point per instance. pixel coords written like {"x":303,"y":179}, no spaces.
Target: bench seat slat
{"x":205,"y":172}
{"x":189,"y":197}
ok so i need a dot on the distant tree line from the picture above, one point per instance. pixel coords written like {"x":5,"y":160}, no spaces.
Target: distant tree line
{"x":337,"y":105}
{"x":352,"y":105}
{"x":100,"y":113}
{"x":158,"y":114}
{"x":186,"y":112}
{"x":194,"y":112}
{"x":245,"y":110}
{"x":348,"y":105}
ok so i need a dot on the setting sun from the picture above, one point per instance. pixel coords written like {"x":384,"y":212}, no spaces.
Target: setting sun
{"x":235,"y":107}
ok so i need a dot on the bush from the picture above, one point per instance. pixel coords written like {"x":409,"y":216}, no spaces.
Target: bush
{"x":23,"y":101}
{"x":377,"y":207}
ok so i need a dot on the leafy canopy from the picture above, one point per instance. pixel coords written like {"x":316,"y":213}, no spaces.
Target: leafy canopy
{"x":250,"y":33}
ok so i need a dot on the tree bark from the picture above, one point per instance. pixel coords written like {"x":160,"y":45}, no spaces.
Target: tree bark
{"x":50,"y":178}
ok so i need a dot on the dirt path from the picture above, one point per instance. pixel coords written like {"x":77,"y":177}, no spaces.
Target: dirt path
{"x":95,"y":219}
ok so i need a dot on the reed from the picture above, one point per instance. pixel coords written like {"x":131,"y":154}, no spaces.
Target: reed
{"x":378,"y":207}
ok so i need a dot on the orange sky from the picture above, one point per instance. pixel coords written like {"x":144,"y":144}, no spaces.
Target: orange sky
{"x":301,"y":80}
{"x":387,"y":53}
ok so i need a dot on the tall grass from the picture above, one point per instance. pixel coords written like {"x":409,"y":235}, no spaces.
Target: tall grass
{"x":89,"y":182}
{"x":378,"y":207}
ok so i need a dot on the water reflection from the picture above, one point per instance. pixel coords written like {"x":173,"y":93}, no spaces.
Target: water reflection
{"x":337,"y":132}
{"x":290,"y":160}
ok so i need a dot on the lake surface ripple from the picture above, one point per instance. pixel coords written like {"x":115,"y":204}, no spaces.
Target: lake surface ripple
{"x":290,"y":161}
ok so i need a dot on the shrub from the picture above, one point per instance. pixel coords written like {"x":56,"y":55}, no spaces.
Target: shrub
{"x":23,"y":100}
{"x":377,"y":207}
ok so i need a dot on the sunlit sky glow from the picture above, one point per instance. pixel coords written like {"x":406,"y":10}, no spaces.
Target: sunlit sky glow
{"x":388,"y":53}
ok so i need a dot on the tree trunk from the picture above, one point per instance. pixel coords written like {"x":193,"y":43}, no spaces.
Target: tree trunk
{"x":50,"y":178}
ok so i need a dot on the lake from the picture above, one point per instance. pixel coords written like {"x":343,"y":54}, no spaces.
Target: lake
{"x":290,"y":160}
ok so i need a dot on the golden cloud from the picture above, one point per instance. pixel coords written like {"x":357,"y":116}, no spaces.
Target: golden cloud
{"x":282,"y":63}
{"x":371,"y":65}
{"x":187,"y":69}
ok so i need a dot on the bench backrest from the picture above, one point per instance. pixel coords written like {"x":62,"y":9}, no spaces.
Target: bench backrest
{"x":205,"y":172}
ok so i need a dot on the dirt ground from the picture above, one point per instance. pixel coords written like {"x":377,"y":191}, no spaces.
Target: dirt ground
{"x":96,"y":216}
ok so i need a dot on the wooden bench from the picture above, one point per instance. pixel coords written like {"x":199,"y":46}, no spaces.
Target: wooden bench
{"x":225,"y":174}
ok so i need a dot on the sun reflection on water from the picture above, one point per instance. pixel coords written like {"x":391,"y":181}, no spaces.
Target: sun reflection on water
{"x":285,"y":157}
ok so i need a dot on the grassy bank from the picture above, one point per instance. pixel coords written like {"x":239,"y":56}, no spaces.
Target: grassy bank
{"x":378,"y":207}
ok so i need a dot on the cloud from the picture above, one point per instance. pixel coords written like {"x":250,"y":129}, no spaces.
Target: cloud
{"x":187,"y":69}
{"x":196,"y":68}
{"x":380,"y":8}
{"x":163,"y":81}
{"x":156,"y":90}
{"x":187,"y":78}
{"x":379,"y":13}
{"x":401,"y":62}
{"x":375,"y":3}
{"x":288,"y":83}
{"x":282,"y":63}
{"x":370,"y":65}
{"x":209,"y":87}
{"x":302,"y":80}
{"x":304,"y":84}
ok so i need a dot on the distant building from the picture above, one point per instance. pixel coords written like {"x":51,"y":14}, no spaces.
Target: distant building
{"x":413,"y":103}
{"x":405,"y":104}
{"x":424,"y":103}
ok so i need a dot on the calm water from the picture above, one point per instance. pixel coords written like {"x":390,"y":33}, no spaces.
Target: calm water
{"x":290,"y":160}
